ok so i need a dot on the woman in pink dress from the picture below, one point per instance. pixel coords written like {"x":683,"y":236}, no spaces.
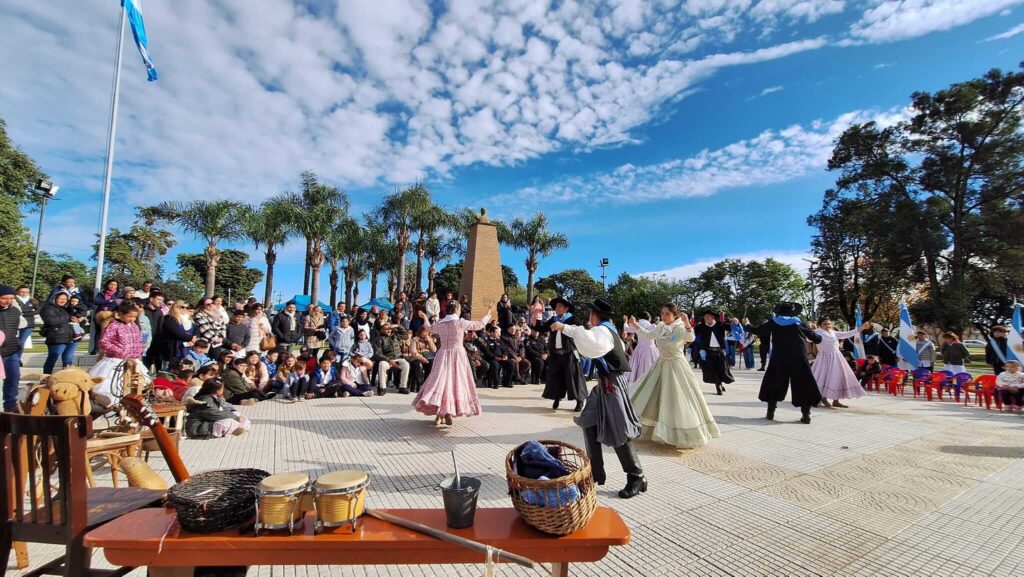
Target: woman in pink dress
{"x":831,"y":371}
{"x":645,"y":354}
{"x":450,"y":390}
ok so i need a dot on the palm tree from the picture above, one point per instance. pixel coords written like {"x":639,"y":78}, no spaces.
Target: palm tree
{"x":340,"y":244}
{"x":269,"y":225}
{"x":397,"y":212}
{"x":315,"y":211}
{"x":439,"y":249}
{"x":427,"y":222}
{"x":378,"y":252}
{"x":214,"y":221}
{"x":534,"y":237}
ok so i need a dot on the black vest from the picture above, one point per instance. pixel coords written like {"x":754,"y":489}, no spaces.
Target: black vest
{"x":616,"y":358}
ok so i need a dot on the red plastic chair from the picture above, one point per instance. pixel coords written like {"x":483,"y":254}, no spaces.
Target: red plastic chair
{"x":984,"y":387}
{"x":894,"y":380}
{"x":920,"y":378}
{"x":935,"y":383}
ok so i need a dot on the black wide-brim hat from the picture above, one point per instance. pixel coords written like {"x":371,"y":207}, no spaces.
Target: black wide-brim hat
{"x":602,"y":306}
{"x":789,"y":309}
{"x":559,"y":300}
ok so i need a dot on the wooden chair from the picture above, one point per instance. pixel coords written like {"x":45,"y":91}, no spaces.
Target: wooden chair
{"x":52,"y":448}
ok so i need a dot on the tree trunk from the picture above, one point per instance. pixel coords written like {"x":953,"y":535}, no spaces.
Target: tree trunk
{"x":419,"y":266}
{"x":315,"y":262}
{"x":431,"y":273}
{"x":346,"y":283}
{"x":529,"y":286}
{"x":374,"y":279}
{"x":355,"y":295}
{"x":268,"y":289}
{"x":306,"y":271}
{"x":212,"y":258}
{"x":334,"y":284}
{"x":403,"y":247}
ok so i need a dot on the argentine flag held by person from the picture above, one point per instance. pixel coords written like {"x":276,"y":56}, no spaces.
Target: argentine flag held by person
{"x":858,"y":342}
{"x":133,"y":9}
{"x":907,"y":350}
{"x":1014,"y":343}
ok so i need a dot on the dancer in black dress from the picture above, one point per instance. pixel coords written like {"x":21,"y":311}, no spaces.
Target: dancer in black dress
{"x":788,"y":337}
{"x":711,"y":348}
{"x":564,"y":376}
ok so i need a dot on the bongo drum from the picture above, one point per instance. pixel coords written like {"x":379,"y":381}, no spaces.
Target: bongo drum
{"x":278,"y":501}
{"x":339,"y":498}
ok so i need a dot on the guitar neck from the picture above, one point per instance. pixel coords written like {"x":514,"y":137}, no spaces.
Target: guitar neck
{"x":169,"y":451}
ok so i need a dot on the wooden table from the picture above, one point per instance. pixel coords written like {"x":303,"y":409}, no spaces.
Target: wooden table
{"x":135,"y":540}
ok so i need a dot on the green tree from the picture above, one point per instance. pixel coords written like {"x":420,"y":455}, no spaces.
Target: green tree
{"x":750,"y":288}
{"x":634,"y":295}
{"x":534,"y":237}
{"x":397,"y":212}
{"x":135,"y":256}
{"x":214,"y":221}
{"x":378,"y":251}
{"x":235,"y":280}
{"x":187,"y":286}
{"x":17,"y":172}
{"x":438,"y":249}
{"x":314,"y":210}
{"x":52,"y":268}
{"x":342,"y":244}
{"x":958,"y":159}
{"x":576,"y":285}
{"x":270,"y":225}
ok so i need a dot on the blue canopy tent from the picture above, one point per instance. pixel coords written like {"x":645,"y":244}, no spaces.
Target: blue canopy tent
{"x":301,"y":303}
{"x":380,"y":303}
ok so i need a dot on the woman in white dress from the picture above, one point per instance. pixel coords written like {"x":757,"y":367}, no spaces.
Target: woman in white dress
{"x":669,"y":399}
{"x":645,"y":354}
{"x":831,"y":371}
{"x":259,"y":327}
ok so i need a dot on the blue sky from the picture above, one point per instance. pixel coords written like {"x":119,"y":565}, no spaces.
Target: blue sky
{"x":663,"y":135}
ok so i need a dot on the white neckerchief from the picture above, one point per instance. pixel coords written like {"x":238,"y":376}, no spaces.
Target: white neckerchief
{"x":714,"y":340}
{"x":451,"y":317}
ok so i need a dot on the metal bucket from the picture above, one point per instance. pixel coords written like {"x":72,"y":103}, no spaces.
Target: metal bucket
{"x":460,"y":504}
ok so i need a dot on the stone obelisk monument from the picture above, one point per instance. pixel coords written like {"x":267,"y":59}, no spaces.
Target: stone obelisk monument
{"x":481,"y":271}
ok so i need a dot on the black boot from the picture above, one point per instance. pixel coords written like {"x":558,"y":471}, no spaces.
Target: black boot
{"x":595,"y":454}
{"x":806,"y":418}
{"x":578,"y":407}
{"x":554,"y":405}
{"x":719,"y":388}
{"x":635,"y":481}
{"x":770,"y":415}
{"x":761,"y":369}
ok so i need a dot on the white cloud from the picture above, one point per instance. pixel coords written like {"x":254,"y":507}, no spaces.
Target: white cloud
{"x":794,"y":259}
{"x":892,"y":20}
{"x":1008,"y":34}
{"x":883,"y":65}
{"x":363,"y":92}
{"x":767,"y":91}
{"x":772,"y":157}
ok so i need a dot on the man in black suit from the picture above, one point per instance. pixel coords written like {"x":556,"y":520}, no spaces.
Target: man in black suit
{"x":503,"y":356}
{"x":564,"y":376}
{"x":711,"y":340}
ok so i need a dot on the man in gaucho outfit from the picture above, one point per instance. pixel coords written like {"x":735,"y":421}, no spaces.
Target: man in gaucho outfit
{"x":711,"y":348}
{"x":788,"y":336}
{"x":564,"y":376}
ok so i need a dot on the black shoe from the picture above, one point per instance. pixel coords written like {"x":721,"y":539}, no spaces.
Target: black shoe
{"x":719,"y":388}
{"x":554,"y":405}
{"x":806,"y":418}
{"x":403,"y":391}
{"x":578,"y":407}
{"x":381,"y":392}
{"x":770,"y":415}
{"x":494,"y":386}
{"x":599,"y":481}
{"x":506,"y":386}
{"x":761,"y":369}
{"x":634,"y":486}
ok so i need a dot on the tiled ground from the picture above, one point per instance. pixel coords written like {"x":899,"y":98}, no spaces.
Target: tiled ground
{"x":888,"y":487}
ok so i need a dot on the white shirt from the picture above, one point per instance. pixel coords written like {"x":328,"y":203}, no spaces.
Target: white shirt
{"x":592,"y":343}
{"x":714,"y":340}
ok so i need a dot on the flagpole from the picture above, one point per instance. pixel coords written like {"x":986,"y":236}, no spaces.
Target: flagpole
{"x":110,"y":155}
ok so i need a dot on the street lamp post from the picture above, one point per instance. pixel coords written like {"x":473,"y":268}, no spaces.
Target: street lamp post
{"x":45,"y":190}
{"x":604,"y":278}
{"x":810,"y":279}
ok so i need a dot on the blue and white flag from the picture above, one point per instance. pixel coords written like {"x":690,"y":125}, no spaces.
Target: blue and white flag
{"x":133,"y":9}
{"x":1014,"y":343}
{"x":858,"y":342}
{"x":907,"y":349}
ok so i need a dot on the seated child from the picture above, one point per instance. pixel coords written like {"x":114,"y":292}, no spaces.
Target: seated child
{"x":871,"y":368}
{"x":198,"y":354}
{"x":213,"y":417}
{"x":1011,"y":385}
{"x":355,"y":380}
{"x":175,"y":389}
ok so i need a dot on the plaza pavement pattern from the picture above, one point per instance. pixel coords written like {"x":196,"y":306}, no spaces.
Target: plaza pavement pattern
{"x":890,"y":486}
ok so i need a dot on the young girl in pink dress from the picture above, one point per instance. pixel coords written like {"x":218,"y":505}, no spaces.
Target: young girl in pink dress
{"x":450,"y":390}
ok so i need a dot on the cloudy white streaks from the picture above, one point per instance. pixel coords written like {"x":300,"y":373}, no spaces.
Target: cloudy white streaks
{"x":892,"y":20}
{"x":794,"y":259}
{"x":1008,"y":34}
{"x":772,"y":157}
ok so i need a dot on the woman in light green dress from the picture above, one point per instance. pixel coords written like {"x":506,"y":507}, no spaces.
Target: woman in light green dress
{"x":669,"y":399}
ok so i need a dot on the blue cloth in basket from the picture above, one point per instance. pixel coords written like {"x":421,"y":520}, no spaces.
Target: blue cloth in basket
{"x":551,"y":497}
{"x":535,"y":462}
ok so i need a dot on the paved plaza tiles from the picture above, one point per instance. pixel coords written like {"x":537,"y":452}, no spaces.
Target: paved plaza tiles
{"x":890,"y":486}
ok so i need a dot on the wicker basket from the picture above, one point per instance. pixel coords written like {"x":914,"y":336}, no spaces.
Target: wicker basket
{"x":560,"y":517}
{"x":217,"y":500}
